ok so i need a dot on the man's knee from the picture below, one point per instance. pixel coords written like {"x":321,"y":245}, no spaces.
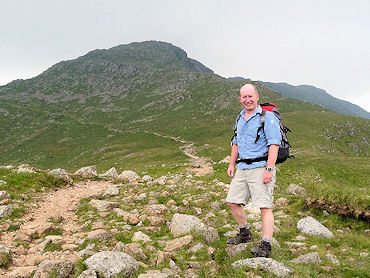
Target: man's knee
{"x":233,"y":205}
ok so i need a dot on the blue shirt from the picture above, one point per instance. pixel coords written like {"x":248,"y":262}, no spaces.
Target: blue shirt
{"x":246,"y":135}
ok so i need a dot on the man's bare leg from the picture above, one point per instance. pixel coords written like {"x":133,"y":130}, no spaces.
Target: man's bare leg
{"x":245,"y":234}
{"x":238,"y":213}
{"x":267,"y":223}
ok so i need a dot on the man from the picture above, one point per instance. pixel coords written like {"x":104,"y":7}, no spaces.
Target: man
{"x":254,"y":180}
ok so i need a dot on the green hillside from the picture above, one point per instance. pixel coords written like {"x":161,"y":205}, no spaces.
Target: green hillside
{"x":115,"y":107}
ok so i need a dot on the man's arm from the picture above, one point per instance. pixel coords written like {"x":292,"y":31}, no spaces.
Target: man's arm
{"x":234,"y":156}
{"x":272,"y":156}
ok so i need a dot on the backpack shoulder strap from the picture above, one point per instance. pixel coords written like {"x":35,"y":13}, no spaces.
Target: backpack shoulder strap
{"x":262,"y":126}
{"x":236,"y":127}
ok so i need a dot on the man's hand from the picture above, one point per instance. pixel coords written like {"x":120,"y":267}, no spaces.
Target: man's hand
{"x":231,"y":171}
{"x":267,"y":176}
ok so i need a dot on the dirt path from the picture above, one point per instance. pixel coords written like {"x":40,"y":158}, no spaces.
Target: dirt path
{"x":60,"y":204}
{"x":200,"y":165}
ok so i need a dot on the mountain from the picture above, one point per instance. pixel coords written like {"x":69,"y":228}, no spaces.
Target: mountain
{"x":314,"y":95}
{"x":318,"y":96}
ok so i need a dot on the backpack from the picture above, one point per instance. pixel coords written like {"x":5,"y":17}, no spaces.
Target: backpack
{"x":283,"y":153}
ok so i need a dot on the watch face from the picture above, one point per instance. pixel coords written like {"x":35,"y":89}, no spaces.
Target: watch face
{"x":269,"y":169}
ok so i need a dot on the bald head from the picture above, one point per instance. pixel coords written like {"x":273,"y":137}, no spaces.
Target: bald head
{"x":248,"y":88}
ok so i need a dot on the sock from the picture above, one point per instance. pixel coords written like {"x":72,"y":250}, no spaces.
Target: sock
{"x":269,"y":240}
{"x":246,"y":226}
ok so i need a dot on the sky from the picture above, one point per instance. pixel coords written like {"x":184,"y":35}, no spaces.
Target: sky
{"x":321,"y":43}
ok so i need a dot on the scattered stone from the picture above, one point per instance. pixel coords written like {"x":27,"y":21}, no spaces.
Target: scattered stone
{"x":22,"y":272}
{"x":111,"y":264}
{"x":2,"y":182}
{"x":111,"y":173}
{"x":364,"y":254}
{"x":156,"y":209}
{"x":162,"y":180}
{"x":178,"y":243}
{"x":6,"y":210}
{"x":100,"y":234}
{"x":26,"y":169}
{"x":314,"y":247}
{"x":141,"y":197}
{"x":129,"y":176}
{"x":233,"y":250}
{"x":183,"y":224}
{"x":215,"y":206}
{"x":111,"y":191}
{"x":102,"y":205}
{"x":154,"y":274}
{"x":147,"y":178}
{"x":252,"y":209}
{"x":5,"y":256}
{"x":310,"y":258}
{"x":281,"y":202}
{"x":311,"y":226}
{"x":86,"y":172}
{"x":4,"y":195}
{"x":162,"y":257}
{"x":89,"y":273}
{"x":174,"y":266}
{"x":135,"y":250}
{"x":197,"y":248}
{"x":61,"y":174}
{"x":258,"y":227}
{"x":62,"y":268}
{"x":295,"y":190}
{"x":332,"y":258}
{"x":140,"y":236}
{"x":266,"y":264}
{"x":197,"y":211}
{"x":231,"y":234}
{"x":300,"y":238}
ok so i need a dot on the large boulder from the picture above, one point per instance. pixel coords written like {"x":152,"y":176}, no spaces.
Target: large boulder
{"x":182,"y":224}
{"x":129,"y":176}
{"x":111,"y":173}
{"x":311,"y":226}
{"x":61,"y":174}
{"x":267,"y":264}
{"x":86,"y":172}
{"x":63,"y":269}
{"x":310,"y":258}
{"x":111,"y":264}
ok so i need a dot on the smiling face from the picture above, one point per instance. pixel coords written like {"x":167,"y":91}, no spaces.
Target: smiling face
{"x":249,"y":97}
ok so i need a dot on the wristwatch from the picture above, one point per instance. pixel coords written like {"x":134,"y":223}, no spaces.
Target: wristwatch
{"x":268,"y":169}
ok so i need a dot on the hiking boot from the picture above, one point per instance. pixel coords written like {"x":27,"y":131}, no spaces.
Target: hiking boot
{"x":244,"y":236}
{"x":263,"y":250}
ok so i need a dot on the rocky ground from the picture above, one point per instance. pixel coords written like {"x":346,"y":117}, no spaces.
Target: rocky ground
{"x":171,"y":226}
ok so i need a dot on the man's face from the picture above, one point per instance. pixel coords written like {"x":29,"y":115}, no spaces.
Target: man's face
{"x":249,"y":99}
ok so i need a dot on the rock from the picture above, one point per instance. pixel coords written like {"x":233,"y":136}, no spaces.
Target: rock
{"x":111,"y":173}
{"x":61,"y":174}
{"x":156,"y":209}
{"x":233,"y":250}
{"x":22,"y":272}
{"x":231,"y":234}
{"x":4,"y":195}
{"x":111,"y":191}
{"x":266,"y":264}
{"x":141,"y":197}
{"x":215,"y":206}
{"x":310,"y":258}
{"x":197,"y":211}
{"x":295,"y":189}
{"x":5,"y":256}
{"x":147,"y":178}
{"x":155,"y":221}
{"x":102,"y":205}
{"x":100,"y":234}
{"x":281,"y":202}
{"x":129,"y":176}
{"x":252,"y":209}
{"x":174,"y":266}
{"x":183,"y":224}
{"x":154,"y":274}
{"x":86,"y":172}
{"x":135,"y":250}
{"x":178,"y":243}
{"x":332,"y":258}
{"x":140,"y":236}
{"x":26,"y":169}
{"x":90,"y":273}
{"x":111,"y":264}
{"x":2,"y":182}
{"x":162,"y":180}
{"x":258,"y":227}
{"x":6,"y":210}
{"x":162,"y":257}
{"x":62,"y":269}
{"x":311,"y":226}
{"x":364,"y":254}
{"x":197,"y":248}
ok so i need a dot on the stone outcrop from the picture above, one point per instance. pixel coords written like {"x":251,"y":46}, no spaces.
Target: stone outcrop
{"x":111,"y":173}
{"x":62,"y":268}
{"x":61,"y":174}
{"x":129,"y":176}
{"x":310,"y":258}
{"x":6,"y":210}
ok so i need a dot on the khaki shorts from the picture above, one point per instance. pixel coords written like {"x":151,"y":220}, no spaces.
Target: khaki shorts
{"x":248,"y":184}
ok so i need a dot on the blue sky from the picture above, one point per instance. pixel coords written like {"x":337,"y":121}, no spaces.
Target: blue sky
{"x":320,"y":43}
